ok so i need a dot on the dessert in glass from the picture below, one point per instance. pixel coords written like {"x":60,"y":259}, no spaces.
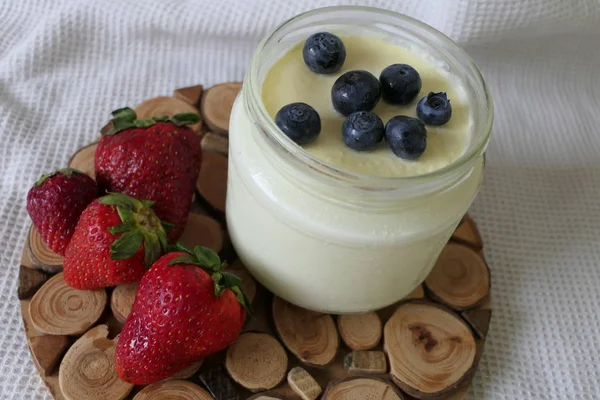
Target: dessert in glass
{"x":356,"y":147}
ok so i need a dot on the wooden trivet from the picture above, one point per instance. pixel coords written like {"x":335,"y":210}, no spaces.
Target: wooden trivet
{"x":426,"y":346}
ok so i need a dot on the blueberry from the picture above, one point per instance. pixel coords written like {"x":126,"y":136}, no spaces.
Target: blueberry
{"x":406,"y":136}
{"x":362,"y":130}
{"x":300,"y":122}
{"x":355,"y":91}
{"x":434,"y":109}
{"x":400,"y":84}
{"x":324,"y":53}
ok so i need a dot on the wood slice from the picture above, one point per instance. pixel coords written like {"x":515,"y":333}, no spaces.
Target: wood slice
{"x":256,"y":361}
{"x":165,"y":105}
{"x":173,"y":390}
{"x":431,"y":350}
{"x":213,"y":143}
{"x":418,"y":293}
{"x":212,"y":180}
{"x":468,"y":234}
{"x":303,"y":384}
{"x":88,"y":371}
{"x":479,"y":319}
{"x":310,"y":336}
{"x":58,"y":309}
{"x":360,"y":331}
{"x":216,"y":105}
{"x":121,"y":301}
{"x":218,"y":383}
{"x":371,"y":362}
{"x":248,"y":283}
{"x":40,"y":254}
{"x":83,"y":160}
{"x":204,"y":231}
{"x":263,"y":397}
{"x":30,"y":281}
{"x":46,"y":351}
{"x":360,"y":388}
{"x":190,"y":94}
{"x":460,"y":278}
{"x":188,"y":372}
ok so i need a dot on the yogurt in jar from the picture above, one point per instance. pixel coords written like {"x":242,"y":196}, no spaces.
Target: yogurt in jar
{"x":331,"y":229}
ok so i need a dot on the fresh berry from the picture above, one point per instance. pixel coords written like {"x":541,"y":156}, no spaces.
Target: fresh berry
{"x":300,"y":122}
{"x":400,"y":84}
{"x":55,"y":203}
{"x":363,"y":130}
{"x":324,"y":53}
{"x":186,"y":308}
{"x":406,"y":136}
{"x":116,"y":240}
{"x":156,"y":159}
{"x":434,"y":109}
{"x":355,"y":91}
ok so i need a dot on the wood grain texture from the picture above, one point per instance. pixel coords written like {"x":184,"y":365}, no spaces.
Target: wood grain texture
{"x":30,"y":281}
{"x":40,"y":254}
{"x":213,"y":143}
{"x":309,"y":335}
{"x":201,"y":230}
{"x":173,"y":390}
{"x":468,"y":234}
{"x":303,"y":384}
{"x":212,"y":180}
{"x":360,"y":331}
{"x":166,"y":105}
{"x":431,"y":350}
{"x":460,"y":278}
{"x":87,"y":372}
{"x":58,"y":309}
{"x":83,"y":160}
{"x":361,"y":388}
{"x":121,"y":300}
{"x":190,"y":94}
{"x":216,"y":105}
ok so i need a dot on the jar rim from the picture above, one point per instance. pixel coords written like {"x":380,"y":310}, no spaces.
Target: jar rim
{"x":370,"y":182}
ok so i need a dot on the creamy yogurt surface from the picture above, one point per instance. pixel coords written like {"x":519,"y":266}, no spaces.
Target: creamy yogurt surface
{"x":289,"y":81}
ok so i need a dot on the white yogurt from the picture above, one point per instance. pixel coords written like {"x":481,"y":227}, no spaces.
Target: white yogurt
{"x":313,"y":244}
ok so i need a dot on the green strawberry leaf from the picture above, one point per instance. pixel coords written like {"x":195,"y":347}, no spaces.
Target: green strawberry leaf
{"x":185,"y":119}
{"x":126,"y":246}
{"x":125,"y":113}
{"x":161,"y":118}
{"x":121,"y":200}
{"x":242,"y":299}
{"x":186,"y":259}
{"x":231,"y":280}
{"x":168,"y":226}
{"x":152,"y":248}
{"x":114,"y":230}
{"x":68,"y":172}
{"x":207,"y":258}
{"x":144,"y":123}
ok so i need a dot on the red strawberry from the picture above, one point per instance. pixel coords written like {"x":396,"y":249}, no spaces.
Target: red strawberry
{"x":55,"y":203}
{"x":116,"y":240}
{"x":156,"y":159}
{"x":186,"y":308}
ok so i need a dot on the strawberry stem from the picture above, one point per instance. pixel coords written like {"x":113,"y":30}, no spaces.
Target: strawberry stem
{"x":68,"y":172}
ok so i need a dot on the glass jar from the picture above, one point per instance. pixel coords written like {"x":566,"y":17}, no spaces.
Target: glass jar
{"x":326,"y":239}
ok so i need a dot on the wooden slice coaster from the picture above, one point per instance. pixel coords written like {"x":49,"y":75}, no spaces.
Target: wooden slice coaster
{"x":256,"y":361}
{"x":165,"y":105}
{"x":216,"y":105}
{"x":468,"y":234}
{"x":431,"y":350}
{"x":173,"y":390}
{"x":190,"y":94}
{"x":460,"y":278}
{"x":212,"y":180}
{"x":121,"y":301}
{"x":30,"y":281}
{"x":263,"y":397}
{"x":360,"y":331}
{"x":188,"y":372}
{"x":370,"y":362}
{"x":88,"y":371}
{"x":418,"y":293}
{"x":359,"y":388}
{"x":46,"y":351}
{"x":40,"y":255}
{"x":212,"y":143}
{"x":303,"y":384}
{"x":83,"y":160}
{"x":204,"y":231}
{"x":248,"y":283}
{"x":58,"y":309}
{"x":310,"y":336}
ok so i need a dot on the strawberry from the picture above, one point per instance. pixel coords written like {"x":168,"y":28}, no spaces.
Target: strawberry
{"x":186,"y":308}
{"x":55,"y":203}
{"x":116,"y":240}
{"x":156,"y":159}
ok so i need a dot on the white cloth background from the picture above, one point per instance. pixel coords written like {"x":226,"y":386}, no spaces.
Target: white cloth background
{"x":64,"y":65}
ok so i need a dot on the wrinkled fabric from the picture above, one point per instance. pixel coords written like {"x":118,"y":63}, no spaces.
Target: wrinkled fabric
{"x":64,"y":65}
